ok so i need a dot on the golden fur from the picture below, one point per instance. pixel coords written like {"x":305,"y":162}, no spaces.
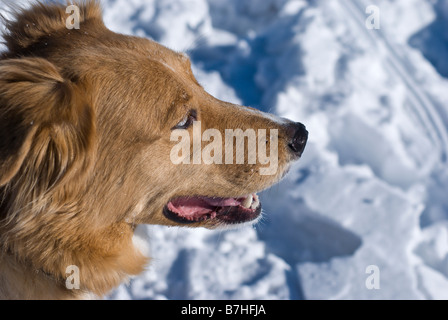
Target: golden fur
{"x":85,"y":120}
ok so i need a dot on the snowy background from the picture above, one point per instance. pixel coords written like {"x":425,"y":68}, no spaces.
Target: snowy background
{"x":372,"y":186}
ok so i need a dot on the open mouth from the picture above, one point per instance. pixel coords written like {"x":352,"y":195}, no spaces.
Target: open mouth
{"x":188,"y":210}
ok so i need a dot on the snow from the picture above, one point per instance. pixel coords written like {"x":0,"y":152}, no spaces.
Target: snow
{"x":371,"y":187}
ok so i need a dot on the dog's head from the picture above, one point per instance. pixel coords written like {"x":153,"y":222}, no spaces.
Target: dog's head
{"x":120,"y":125}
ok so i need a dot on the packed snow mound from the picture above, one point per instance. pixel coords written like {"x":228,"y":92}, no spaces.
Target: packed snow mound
{"x":364,"y":213}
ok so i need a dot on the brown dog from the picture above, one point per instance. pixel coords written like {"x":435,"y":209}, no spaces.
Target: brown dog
{"x":86,"y":124}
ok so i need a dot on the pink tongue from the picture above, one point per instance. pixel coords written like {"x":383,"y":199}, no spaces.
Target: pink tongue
{"x":195,"y":207}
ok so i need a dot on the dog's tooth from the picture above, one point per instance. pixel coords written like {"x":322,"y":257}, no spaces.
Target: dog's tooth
{"x":255,"y":202}
{"x":247,"y":202}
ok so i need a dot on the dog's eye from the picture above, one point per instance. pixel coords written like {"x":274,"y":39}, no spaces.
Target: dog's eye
{"x":187,"y":121}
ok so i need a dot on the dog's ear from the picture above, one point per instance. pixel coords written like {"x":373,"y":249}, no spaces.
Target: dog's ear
{"x":46,"y":123}
{"x":29,"y":25}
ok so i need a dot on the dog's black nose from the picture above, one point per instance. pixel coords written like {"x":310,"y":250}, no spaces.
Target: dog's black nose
{"x":298,"y":136}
